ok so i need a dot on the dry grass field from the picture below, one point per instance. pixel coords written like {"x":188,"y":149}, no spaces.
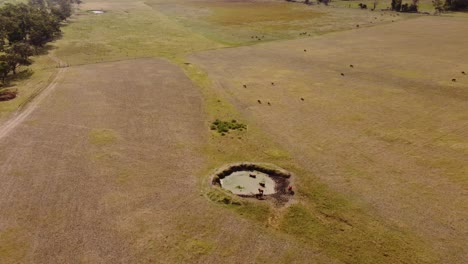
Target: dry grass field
{"x":391,"y":133}
{"x":104,"y":171}
{"x":110,"y":163}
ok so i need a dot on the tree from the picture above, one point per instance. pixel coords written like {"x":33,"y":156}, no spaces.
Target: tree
{"x":376,"y":2}
{"x":4,"y":70}
{"x":23,"y":50}
{"x":414,"y":6}
{"x":44,"y":28}
{"x":14,"y":61}
{"x":62,"y":9}
{"x":26,"y":27}
{"x":438,"y":5}
{"x":455,"y":5}
{"x":17,"y":55}
{"x":37,"y":3}
{"x":396,"y":5}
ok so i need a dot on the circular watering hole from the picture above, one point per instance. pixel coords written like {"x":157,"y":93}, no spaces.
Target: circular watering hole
{"x":254,"y":180}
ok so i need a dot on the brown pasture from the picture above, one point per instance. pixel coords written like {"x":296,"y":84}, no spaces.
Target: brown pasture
{"x":103,"y":171}
{"x":390,"y":131}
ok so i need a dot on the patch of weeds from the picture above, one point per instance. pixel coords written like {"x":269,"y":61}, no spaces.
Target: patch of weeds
{"x":197,"y":247}
{"x":276,"y":154}
{"x":104,"y":156}
{"x":354,"y":239}
{"x":12,"y":250}
{"x":223,"y":127}
{"x":124,"y":177}
{"x":223,"y":198}
{"x":255,"y":211}
{"x":299,"y":221}
{"x":102,"y":136}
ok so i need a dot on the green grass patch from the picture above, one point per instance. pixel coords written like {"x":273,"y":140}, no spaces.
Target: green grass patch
{"x":257,"y":211}
{"x":352,"y":236}
{"x":222,"y":197}
{"x":241,"y":13}
{"x":12,"y":250}
{"x":198,"y":247}
{"x":117,"y":35}
{"x":102,"y":137}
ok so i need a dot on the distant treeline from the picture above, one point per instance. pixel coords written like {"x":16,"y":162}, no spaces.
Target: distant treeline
{"x":439,"y":5}
{"x":399,"y":6}
{"x":450,"y":5}
{"x":26,"y":28}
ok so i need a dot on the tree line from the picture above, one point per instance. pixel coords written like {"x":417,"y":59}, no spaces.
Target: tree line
{"x":25,"y":28}
{"x":439,"y":5}
{"x":399,"y":6}
{"x":450,"y":5}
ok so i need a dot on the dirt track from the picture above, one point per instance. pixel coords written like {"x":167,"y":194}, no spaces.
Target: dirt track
{"x":390,"y":132}
{"x":14,"y":121}
{"x":103,"y":171}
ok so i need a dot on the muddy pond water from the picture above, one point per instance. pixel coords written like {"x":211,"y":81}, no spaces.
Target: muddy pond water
{"x":248,"y":183}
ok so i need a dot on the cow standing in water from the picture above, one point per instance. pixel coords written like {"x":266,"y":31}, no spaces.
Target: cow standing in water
{"x":260,"y":194}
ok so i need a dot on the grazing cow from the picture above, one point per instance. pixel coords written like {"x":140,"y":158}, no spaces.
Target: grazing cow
{"x":305,"y":50}
{"x":252,"y":176}
{"x":357,"y":26}
{"x":259,"y":101}
{"x":342,"y":74}
{"x":272,"y":83}
{"x":352,"y":66}
{"x":454,"y":80}
{"x":269,"y":103}
{"x":260,"y":191}
{"x":259,"y":195}
{"x":464,"y":73}
{"x":302,"y":99}
{"x":245,"y":86}
{"x":262,"y":184}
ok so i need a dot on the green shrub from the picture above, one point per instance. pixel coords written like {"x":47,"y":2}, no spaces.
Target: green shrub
{"x":223,"y":127}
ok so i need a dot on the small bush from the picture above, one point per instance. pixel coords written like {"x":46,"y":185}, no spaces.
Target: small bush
{"x":223,"y":127}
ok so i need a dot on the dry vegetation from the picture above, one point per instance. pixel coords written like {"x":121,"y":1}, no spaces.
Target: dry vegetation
{"x":113,"y":166}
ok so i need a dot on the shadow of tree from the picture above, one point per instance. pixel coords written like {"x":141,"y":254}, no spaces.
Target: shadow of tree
{"x":12,"y":79}
{"x":44,"y":50}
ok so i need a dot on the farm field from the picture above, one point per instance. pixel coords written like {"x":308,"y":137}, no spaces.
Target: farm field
{"x":109,"y":160}
{"x":391,"y":132}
